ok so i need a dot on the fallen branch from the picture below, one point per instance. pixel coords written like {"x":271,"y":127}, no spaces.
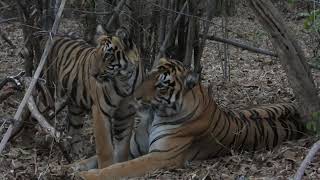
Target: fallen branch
{"x":315,"y":148}
{"x":35,"y":77}
{"x":240,"y":45}
{"x":8,"y":20}
{"x":249,"y":48}
{"x":42,"y":120}
{"x":16,"y":82}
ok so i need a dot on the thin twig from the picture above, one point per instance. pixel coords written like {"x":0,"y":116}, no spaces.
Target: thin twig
{"x":315,"y":148}
{"x":8,"y":20}
{"x":35,"y":77}
{"x":240,"y":45}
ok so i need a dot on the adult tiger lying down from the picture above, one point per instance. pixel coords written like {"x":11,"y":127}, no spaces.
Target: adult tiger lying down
{"x":182,"y":123}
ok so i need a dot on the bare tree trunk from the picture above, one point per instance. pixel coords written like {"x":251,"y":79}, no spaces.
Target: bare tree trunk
{"x":48,"y":10}
{"x":182,"y":36}
{"x":291,"y":56}
{"x":164,"y":45}
{"x":163,"y":21}
{"x":152,"y":36}
{"x":90,"y":22}
{"x":190,"y":36}
{"x":31,"y":51}
{"x":198,"y":51}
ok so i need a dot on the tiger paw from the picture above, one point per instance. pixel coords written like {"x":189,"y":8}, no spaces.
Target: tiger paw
{"x":89,"y":175}
{"x":83,"y":165}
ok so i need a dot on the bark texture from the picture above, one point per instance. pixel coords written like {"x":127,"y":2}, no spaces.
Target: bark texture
{"x":291,"y":56}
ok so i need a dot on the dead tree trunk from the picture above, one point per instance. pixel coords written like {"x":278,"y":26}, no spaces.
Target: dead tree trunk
{"x":90,"y":22}
{"x":190,"y":35}
{"x":291,"y":56}
{"x":31,"y":51}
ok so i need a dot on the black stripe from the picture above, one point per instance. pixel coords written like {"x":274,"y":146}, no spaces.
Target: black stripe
{"x":227,"y":130}
{"x":274,"y":129}
{"x":195,"y":155}
{"x":107,"y":98}
{"x":223,"y":126}
{"x":217,"y":121}
{"x":246,"y":126}
{"x":160,"y":137}
{"x":256,"y":140}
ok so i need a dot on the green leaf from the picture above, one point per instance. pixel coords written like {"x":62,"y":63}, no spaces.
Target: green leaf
{"x":291,"y":1}
{"x":313,"y":21}
{"x":313,"y":124}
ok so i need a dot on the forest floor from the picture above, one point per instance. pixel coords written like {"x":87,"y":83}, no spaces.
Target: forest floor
{"x":254,"y":79}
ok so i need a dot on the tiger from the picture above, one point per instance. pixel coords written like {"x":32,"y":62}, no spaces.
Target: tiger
{"x":179,"y":121}
{"x":95,"y":79}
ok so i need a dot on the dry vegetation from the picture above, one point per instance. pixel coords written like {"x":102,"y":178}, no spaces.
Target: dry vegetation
{"x":255,"y":79}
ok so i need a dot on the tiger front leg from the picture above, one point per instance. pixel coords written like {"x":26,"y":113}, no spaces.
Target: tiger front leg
{"x":102,"y":133}
{"x":136,"y":167}
{"x":122,"y":130}
{"x":167,"y":152}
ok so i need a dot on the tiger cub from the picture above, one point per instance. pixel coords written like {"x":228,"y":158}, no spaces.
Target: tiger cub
{"x":96,"y":79}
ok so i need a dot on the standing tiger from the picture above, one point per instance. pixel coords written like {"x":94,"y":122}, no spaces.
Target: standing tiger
{"x":180,"y":121}
{"x":96,"y":79}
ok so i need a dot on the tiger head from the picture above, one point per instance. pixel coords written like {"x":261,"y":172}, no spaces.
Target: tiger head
{"x":118,"y":56}
{"x":165,"y":87}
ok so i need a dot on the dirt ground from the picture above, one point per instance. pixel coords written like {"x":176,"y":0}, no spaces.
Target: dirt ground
{"x":255,"y":79}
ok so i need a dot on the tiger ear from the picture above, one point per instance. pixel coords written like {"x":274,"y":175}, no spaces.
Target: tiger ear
{"x":124,"y":35}
{"x":100,"y":31}
{"x":192,"y":79}
{"x":163,"y":60}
